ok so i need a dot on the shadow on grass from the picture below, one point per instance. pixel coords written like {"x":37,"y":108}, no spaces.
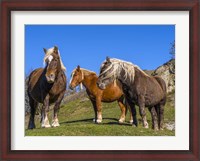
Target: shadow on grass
{"x":113,"y":122}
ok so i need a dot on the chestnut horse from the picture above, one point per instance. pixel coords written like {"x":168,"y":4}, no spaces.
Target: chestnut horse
{"x":112,"y":93}
{"x":47,"y":85}
{"x":138,"y":87}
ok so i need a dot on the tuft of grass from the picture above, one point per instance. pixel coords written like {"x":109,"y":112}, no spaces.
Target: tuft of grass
{"x":76,"y":119}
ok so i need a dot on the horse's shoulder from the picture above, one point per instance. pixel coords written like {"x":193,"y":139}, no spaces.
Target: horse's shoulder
{"x":62,"y":77}
{"x":36,"y":71}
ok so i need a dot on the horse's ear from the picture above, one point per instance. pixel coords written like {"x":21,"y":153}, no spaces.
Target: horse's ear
{"x":56,"y":49}
{"x":107,"y":59}
{"x":78,"y":68}
{"x":45,"y":50}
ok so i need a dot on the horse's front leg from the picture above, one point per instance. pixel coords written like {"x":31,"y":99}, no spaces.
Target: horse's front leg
{"x":132,"y":111}
{"x":99,"y":109}
{"x":141,"y":103}
{"x":45,"y":111}
{"x":55,"y":121}
{"x":33,"y":106}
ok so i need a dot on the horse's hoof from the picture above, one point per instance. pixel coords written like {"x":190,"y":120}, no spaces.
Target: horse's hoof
{"x":131,"y":121}
{"x":94,"y":120}
{"x":31,"y":128}
{"x":121,"y":120}
{"x":134,"y":125}
{"x":31,"y":125}
{"x":155,"y":129}
{"x":98,"y":121}
{"x":146,"y":126}
{"x":55,"y":125}
{"x":46,"y":126}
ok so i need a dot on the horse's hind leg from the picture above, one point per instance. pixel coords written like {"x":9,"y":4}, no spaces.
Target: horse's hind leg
{"x":95,"y":110}
{"x":33,"y":106}
{"x":123,"y":110}
{"x":160,"y":114}
{"x":154,"y":118}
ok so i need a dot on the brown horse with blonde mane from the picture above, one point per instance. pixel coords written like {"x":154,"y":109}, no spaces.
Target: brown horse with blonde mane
{"x":112,"y":93}
{"x":47,"y":85}
{"x":139,"y":88}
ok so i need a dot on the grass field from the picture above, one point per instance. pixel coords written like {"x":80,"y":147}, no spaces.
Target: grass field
{"x":76,"y":119}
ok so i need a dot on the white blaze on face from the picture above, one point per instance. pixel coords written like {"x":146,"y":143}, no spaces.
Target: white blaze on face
{"x":50,"y":57}
{"x":71,"y":78}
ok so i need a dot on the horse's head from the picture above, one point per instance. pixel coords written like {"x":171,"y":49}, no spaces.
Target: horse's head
{"x":53,"y":64}
{"x":106,"y":75}
{"x":76,"y":77}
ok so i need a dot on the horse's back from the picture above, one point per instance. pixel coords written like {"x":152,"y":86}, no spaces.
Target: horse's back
{"x":34,"y":84}
{"x":34,"y":77}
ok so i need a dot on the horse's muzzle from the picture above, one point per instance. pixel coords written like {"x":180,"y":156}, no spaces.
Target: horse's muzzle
{"x":71,"y":87}
{"x":50,"y":78}
{"x":101,"y":85}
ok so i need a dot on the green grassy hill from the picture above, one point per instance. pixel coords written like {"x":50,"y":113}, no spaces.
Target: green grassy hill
{"x":76,"y":119}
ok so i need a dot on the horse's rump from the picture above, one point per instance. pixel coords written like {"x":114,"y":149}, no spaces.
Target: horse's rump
{"x":162,"y":83}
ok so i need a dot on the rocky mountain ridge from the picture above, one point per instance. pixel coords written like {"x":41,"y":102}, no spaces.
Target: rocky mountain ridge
{"x":167,"y":72}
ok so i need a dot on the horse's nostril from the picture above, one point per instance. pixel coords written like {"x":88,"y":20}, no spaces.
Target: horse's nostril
{"x":51,"y":75}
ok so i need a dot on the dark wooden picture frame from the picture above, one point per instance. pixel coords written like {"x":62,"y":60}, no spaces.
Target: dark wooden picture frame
{"x":7,"y":6}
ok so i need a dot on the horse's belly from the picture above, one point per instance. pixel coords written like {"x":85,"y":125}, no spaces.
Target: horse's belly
{"x":36,"y":97}
{"x":154,"y":99}
{"x":111,"y":94}
{"x":150,"y":99}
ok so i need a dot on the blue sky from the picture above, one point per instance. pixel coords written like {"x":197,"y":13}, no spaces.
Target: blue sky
{"x":88,"y":45}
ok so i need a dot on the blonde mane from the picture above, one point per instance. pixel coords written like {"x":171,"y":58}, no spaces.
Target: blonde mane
{"x":118,"y":65}
{"x":48,"y":53}
{"x":87,"y":72}
{"x":84,"y":72}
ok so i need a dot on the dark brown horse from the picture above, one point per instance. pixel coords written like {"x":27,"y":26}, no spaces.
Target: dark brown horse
{"x":112,"y":93}
{"x":138,"y":87}
{"x":47,"y":85}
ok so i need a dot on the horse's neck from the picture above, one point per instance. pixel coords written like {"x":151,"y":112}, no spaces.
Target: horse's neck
{"x":138,"y":73}
{"x":126,"y":80}
{"x":89,"y":79}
